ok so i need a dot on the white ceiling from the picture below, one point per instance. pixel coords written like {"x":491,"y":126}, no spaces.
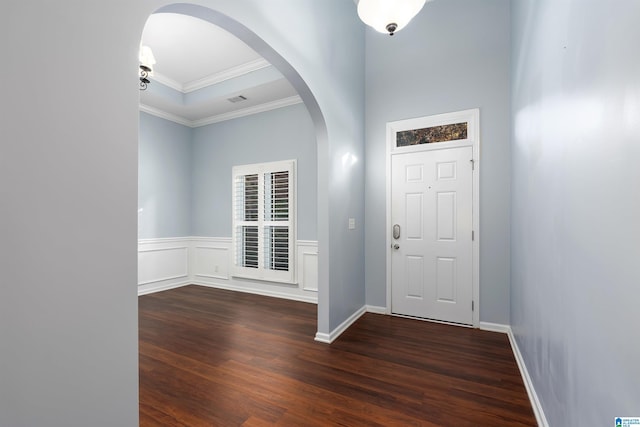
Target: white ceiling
{"x":202,"y":66}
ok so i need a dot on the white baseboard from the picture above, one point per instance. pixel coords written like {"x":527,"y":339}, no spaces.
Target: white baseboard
{"x":495,"y":327}
{"x":376,"y":309}
{"x":528,"y":384}
{"x":531,"y":391}
{"x":257,"y":291}
{"x":159,"y":287}
{"x":324,"y":338}
{"x":331,"y":337}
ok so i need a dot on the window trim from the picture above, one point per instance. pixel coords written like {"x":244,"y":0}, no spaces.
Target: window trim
{"x":261,"y":273}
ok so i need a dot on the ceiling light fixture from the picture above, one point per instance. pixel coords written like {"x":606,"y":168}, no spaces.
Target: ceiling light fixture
{"x":147,"y":61}
{"x":388,"y":16}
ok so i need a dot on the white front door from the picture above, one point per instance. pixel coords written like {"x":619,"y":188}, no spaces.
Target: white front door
{"x":432,"y":219}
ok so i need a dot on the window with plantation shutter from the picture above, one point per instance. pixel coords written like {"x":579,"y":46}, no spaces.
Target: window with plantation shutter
{"x":264,"y":221}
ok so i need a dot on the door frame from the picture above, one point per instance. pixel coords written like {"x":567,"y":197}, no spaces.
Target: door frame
{"x":472,"y":118}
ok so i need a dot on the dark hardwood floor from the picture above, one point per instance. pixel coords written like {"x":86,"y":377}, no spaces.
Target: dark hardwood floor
{"x":210,"y":357}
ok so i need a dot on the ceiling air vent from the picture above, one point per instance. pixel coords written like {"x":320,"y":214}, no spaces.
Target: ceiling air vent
{"x":238,"y":98}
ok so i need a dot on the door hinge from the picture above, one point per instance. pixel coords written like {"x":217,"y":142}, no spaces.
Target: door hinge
{"x":473,"y":235}
{"x":472,"y":306}
{"x":473,"y":164}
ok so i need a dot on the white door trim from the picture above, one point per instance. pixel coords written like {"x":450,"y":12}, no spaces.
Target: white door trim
{"x":472,"y":117}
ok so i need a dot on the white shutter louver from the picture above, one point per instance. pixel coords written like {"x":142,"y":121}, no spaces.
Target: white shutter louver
{"x":263,"y":219}
{"x":276,"y":213}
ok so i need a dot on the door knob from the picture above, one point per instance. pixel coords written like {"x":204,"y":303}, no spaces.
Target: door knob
{"x":395,"y":246}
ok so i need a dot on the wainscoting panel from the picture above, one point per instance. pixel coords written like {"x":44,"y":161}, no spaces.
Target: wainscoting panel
{"x":211,"y":261}
{"x":162,"y":264}
{"x":308,"y":265}
{"x":207,"y":261}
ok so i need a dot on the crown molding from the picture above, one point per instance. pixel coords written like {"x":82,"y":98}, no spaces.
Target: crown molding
{"x":267,"y":106}
{"x":230,"y":73}
{"x":167,"y":81}
{"x":164,"y":115}
{"x":285,"y":102}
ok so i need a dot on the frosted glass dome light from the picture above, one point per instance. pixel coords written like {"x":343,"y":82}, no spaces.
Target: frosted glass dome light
{"x":146,"y":57}
{"x":388,"y":16}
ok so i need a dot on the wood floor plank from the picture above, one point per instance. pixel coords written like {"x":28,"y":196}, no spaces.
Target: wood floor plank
{"x":211,"y":357}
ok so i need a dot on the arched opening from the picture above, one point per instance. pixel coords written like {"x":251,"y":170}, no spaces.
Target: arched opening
{"x":287,"y":70}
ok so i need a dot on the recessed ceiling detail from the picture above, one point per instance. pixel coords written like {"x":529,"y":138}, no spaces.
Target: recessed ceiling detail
{"x":203,"y":74}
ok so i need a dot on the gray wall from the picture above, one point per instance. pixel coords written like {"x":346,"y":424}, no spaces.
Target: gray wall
{"x":164,"y":178}
{"x":453,"y":56}
{"x":575,"y":207}
{"x":68,"y":184}
{"x":68,"y":191}
{"x":282,"y":134}
{"x":184,"y":174}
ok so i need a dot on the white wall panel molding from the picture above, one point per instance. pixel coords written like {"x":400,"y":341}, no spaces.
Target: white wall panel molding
{"x":148,"y":243}
{"x":211,"y":258}
{"x":172,"y":262}
{"x":211,"y":261}
{"x":531,"y":391}
{"x":210,"y":239}
{"x":307,"y":268}
{"x":163,"y":262}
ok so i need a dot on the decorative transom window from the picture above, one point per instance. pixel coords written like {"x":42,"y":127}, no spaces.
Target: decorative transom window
{"x":432,"y":134}
{"x":264,"y":221}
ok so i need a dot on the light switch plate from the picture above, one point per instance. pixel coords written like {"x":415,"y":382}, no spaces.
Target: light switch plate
{"x":352,"y":223}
